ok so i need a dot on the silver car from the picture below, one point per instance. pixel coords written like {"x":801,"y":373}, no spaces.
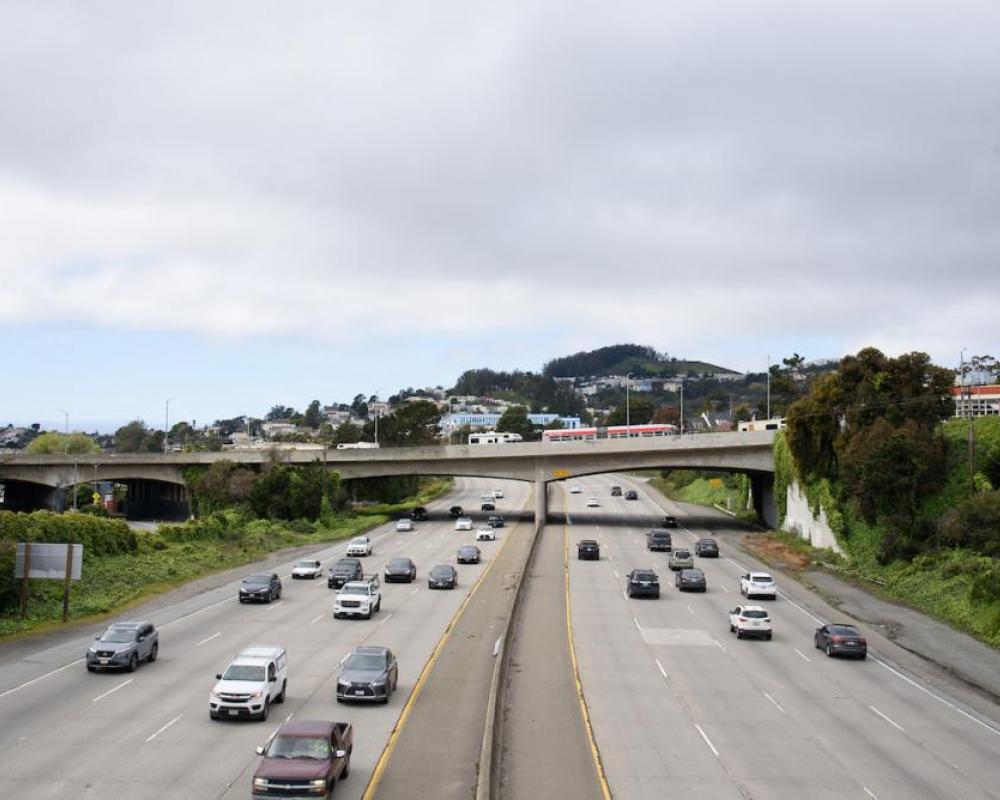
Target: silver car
{"x":123,"y":645}
{"x":680,"y":559}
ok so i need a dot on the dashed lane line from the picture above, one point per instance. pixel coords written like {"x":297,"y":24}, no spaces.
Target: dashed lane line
{"x":207,"y":639}
{"x":707,"y":741}
{"x":802,"y":655}
{"x":894,"y":724}
{"x":161,"y":730}
{"x":121,"y":685}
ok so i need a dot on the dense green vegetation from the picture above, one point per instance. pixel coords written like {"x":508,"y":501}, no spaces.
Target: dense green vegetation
{"x":621,"y":359}
{"x":728,"y":490}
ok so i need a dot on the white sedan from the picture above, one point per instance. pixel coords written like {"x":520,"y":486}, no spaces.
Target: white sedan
{"x":485,"y":533}
{"x":593,"y":502}
{"x":405,"y":524}
{"x":307,"y":568}
{"x":498,"y":494}
{"x":574,"y":489}
{"x":463,"y":524}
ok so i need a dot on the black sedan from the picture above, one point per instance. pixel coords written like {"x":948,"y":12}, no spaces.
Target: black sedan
{"x":400,"y":569}
{"x":691,"y":580}
{"x":468,"y":554}
{"x":668,"y":522}
{"x":631,"y":494}
{"x":642,"y":583}
{"x":706,"y":548}
{"x":455,"y":511}
{"x":261,"y":586}
{"x":418,"y":514}
{"x":839,"y":639}
{"x":443,"y":576}
{"x":495,"y":521}
{"x":588,"y":550}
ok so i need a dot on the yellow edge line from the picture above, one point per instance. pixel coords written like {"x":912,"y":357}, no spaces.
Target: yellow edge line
{"x":598,"y":764}
{"x":390,"y":745}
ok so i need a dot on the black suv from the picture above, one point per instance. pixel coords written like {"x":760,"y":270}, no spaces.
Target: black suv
{"x":262,"y":586}
{"x":669,"y":522}
{"x":588,"y":550}
{"x":455,"y":511}
{"x":706,"y":548}
{"x":659,"y":539}
{"x":631,"y":494}
{"x":346,"y":569}
{"x":642,"y":583}
{"x":616,"y":491}
{"x":419,"y":514}
{"x":495,"y":521}
{"x":123,"y":645}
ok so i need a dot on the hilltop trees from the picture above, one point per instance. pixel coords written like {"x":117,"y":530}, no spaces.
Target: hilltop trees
{"x":57,"y":443}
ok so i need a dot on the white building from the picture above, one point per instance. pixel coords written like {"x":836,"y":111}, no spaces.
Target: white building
{"x":976,"y":401}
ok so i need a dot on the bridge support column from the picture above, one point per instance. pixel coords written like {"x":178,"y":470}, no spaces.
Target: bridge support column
{"x":541,"y":502}
{"x":762,"y":489}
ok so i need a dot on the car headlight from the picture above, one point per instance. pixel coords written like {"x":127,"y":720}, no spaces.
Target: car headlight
{"x":379,"y":683}
{"x":92,"y":648}
{"x":319,"y":783}
{"x":260,"y":783}
{"x":257,"y":695}
{"x":342,"y":682}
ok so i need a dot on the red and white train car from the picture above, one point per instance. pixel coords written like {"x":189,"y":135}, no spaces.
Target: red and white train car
{"x":611,"y":432}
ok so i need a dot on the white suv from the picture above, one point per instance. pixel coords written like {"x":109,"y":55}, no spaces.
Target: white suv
{"x":485,"y":533}
{"x":758,"y":584}
{"x":463,"y":524}
{"x":257,"y":677}
{"x":359,"y":546}
{"x":358,"y":599}
{"x":750,"y":621}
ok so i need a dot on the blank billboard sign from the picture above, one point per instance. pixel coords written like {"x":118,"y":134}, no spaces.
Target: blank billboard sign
{"x":49,"y":561}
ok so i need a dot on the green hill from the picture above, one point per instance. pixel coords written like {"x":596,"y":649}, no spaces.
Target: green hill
{"x":620,"y":359}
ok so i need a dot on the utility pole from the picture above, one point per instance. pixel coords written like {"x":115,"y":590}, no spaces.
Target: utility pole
{"x":769,"y":386}
{"x":628,"y":413}
{"x":682,"y":407}
{"x":166,"y":423}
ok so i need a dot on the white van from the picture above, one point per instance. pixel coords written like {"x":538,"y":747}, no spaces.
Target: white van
{"x":255,"y":679}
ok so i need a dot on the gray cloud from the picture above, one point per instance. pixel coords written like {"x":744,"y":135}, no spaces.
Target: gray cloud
{"x":720,"y":178}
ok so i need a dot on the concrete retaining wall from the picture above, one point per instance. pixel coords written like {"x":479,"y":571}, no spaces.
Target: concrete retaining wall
{"x":799,"y":519}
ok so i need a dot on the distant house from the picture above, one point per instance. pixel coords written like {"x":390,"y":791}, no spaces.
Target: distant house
{"x":278,"y":428}
{"x":976,"y":401}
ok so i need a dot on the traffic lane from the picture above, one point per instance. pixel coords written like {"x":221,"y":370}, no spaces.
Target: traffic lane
{"x":644,"y":733}
{"x":273,"y":620}
{"x":867,"y":692}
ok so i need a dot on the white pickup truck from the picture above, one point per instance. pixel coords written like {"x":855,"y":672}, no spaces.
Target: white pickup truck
{"x":358,"y":599}
{"x":255,"y":679}
{"x":359,"y":547}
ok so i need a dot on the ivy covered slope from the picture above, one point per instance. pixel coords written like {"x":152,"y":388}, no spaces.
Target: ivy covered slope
{"x":911,"y":504}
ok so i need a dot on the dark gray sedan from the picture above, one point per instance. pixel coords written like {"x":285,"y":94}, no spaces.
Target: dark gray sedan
{"x":841,"y":640}
{"x":443,"y":576}
{"x":400,"y":569}
{"x":691,"y":580}
{"x":468,"y":554}
{"x":123,"y":645}
{"x":370,"y":674}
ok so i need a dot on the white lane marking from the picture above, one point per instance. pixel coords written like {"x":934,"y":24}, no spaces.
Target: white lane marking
{"x":184,"y":617}
{"x":112,"y":691}
{"x":897,"y":727}
{"x":289,"y":717}
{"x":663,"y":672}
{"x":774,"y":702}
{"x":724,"y":587}
{"x":40,"y":677}
{"x":809,"y":614}
{"x":912,"y":682}
{"x":207,"y":640}
{"x":346,"y":656}
{"x":414,"y":592}
{"x":707,"y":740}
{"x":870,"y":793}
{"x":496,"y":645}
{"x":690,"y":610}
{"x":273,"y":605}
{"x":317,"y":618}
{"x":161,"y":730}
{"x":617,"y":575}
{"x":719,"y":645}
{"x":637,"y":625}
{"x":624,"y":594}
{"x":801,"y":654}
{"x":387,"y":618}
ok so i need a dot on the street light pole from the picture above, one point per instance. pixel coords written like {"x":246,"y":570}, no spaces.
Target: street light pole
{"x":166,"y":423}
{"x":769,"y":386}
{"x":628,"y":410}
{"x":682,"y":408}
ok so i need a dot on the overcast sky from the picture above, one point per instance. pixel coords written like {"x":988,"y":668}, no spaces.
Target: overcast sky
{"x":246,"y":203}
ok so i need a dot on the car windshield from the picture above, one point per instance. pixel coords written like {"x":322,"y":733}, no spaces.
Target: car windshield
{"x":118,"y":636}
{"x":465,"y":519}
{"x":345,"y":565}
{"x":468,"y":551}
{"x":844,"y":630}
{"x":360,"y":540}
{"x":644,"y":576}
{"x":762,"y":579}
{"x":244,"y":672}
{"x":751,"y":613}
{"x":366,"y":662}
{"x":355,"y":588}
{"x":441,"y":572}
{"x":299,"y":747}
{"x":692,"y":575}
{"x":682,"y":554}
{"x":257,"y":580}
{"x":399,"y":563}
{"x":308,"y":564}
{"x":707,"y":543}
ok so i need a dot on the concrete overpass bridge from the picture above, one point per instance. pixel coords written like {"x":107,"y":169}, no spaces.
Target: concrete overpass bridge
{"x":42,"y":481}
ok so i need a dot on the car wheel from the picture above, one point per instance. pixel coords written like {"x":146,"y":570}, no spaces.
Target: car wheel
{"x":816,"y":643}
{"x":281,"y":697}
{"x":154,"y":652}
{"x":91,"y":668}
{"x":732,"y":628}
{"x":242,"y":601}
{"x":863,"y":656}
{"x":768,"y":637}
{"x":739,"y":634}
{"x":133,"y":662}
{"x":270,"y":597}
{"x":266,"y":711}
{"x":829,"y":651}
{"x":347,"y":766}
{"x":369,"y":614}
{"x":378,"y":605}
{"x":340,"y":699}
{"x":385,"y":699}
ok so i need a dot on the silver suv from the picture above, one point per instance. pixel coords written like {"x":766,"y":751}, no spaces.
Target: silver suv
{"x":123,"y":645}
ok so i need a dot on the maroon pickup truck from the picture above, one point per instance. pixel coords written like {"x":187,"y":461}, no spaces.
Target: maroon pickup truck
{"x":304,"y":759}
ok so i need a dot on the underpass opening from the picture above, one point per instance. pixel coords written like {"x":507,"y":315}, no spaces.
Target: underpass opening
{"x":26,"y":496}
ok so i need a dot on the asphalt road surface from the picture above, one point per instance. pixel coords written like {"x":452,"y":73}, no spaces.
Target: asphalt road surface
{"x":677,"y":702}
{"x":69,"y":733}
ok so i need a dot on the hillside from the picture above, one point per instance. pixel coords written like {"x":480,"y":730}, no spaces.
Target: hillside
{"x":621,"y":359}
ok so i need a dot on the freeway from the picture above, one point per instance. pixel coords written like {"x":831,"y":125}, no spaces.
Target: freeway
{"x":67,"y":732}
{"x":676,"y":700}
